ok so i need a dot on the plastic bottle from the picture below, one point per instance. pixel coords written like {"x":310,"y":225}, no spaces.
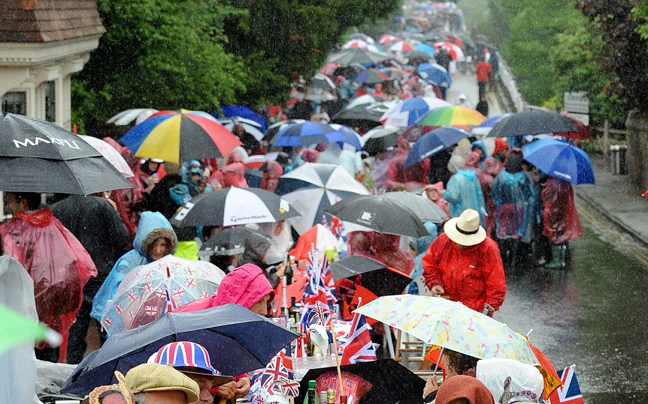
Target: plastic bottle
{"x":311,"y":395}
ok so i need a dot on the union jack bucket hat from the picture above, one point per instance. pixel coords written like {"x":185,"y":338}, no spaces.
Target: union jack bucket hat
{"x":190,"y":358}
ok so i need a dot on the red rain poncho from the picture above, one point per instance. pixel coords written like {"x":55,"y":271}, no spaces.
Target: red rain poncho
{"x":57,"y":262}
{"x":560,"y":218}
{"x":473,"y":276}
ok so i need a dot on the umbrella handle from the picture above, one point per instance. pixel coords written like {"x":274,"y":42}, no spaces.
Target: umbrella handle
{"x":436,"y":365}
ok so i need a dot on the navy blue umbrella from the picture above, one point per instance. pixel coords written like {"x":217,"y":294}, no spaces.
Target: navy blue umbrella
{"x":434,"y":141}
{"x":561,"y":160}
{"x":230,"y":111}
{"x":237,"y":340}
{"x":434,"y":74}
{"x":303,"y":134}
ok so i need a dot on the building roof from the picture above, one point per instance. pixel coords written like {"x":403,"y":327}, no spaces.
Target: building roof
{"x":48,"y":20}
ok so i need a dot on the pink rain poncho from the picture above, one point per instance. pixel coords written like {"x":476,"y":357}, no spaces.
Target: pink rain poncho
{"x":560,"y":218}
{"x":56,"y":261}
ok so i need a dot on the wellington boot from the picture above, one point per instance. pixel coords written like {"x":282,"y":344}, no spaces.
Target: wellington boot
{"x":556,"y":258}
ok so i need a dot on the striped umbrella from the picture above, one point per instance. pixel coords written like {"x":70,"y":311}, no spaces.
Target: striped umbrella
{"x":180,"y":136}
{"x":451,"y":116}
{"x":455,"y":51}
{"x":401,"y":46}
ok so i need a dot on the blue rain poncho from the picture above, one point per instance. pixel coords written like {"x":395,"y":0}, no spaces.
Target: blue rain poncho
{"x":514,"y":198}
{"x":152,"y":225}
{"x":464,"y":192}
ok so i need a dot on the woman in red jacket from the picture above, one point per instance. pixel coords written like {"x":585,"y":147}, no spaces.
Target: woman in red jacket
{"x":464,"y":265}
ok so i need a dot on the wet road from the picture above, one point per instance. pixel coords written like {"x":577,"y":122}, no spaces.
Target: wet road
{"x":594,"y":314}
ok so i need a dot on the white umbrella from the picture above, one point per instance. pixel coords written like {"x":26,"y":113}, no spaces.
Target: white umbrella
{"x":126,"y":117}
{"x":251,"y":127}
{"x":111,"y":154}
{"x":312,"y":188}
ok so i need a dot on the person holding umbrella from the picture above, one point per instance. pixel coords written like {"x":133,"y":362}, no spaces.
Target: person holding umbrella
{"x":464,"y":265}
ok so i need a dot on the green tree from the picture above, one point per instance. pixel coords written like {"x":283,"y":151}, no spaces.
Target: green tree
{"x":164,"y":54}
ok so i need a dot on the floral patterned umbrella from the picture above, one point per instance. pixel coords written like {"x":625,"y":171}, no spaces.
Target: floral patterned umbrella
{"x":450,"y":325}
{"x":149,"y":291}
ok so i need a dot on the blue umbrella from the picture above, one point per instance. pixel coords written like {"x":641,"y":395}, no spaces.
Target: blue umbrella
{"x":426,"y":48}
{"x":561,"y":160}
{"x":237,"y":340}
{"x":230,"y":111}
{"x":434,"y":74}
{"x":435,"y":141}
{"x":303,"y":134}
{"x":490,"y":122}
{"x":344,"y":134}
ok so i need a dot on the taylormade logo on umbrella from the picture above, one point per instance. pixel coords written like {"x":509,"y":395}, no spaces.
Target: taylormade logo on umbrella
{"x":249,"y":219}
{"x":284,"y":206}
{"x":558,"y":173}
{"x":431,"y":152}
{"x":37,"y":140}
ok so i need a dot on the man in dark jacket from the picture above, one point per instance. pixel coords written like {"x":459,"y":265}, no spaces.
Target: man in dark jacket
{"x":97,"y":225}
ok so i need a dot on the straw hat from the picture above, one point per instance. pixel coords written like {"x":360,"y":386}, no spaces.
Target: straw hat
{"x":465,"y":229}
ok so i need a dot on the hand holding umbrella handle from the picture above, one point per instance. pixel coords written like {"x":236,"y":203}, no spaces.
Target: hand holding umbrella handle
{"x":437,"y":290}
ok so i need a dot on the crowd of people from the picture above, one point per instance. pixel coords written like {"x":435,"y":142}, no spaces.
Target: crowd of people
{"x":503,"y":214}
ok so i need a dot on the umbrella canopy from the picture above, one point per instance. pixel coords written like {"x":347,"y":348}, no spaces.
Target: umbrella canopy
{"x":48,"y":158}
{"x":560,"y":160}
{"x":320,"y":237}
{"x":425,"y":209}
{"x":423,"y":47}
{"x":388,"y":377}
{"x":411,"y":110}
{"x":375,"y":276}
{"x":364,"y":100}
{"x":360,"y":116}
{"x":380,"y":139}
{"x":532,"y":123}
{"x":485,"y":127}
{"x":303,"y":134}
{"x":237,"y":340}
{"x":451,"y":116}
{"x":321,"y":81}
{"x":401,"y":46}
{"x":111,"y":154}
{"x":582,"y":133}
{"x":421,"y":55}
{"x":250,"y":126}
{"x":243,"y":112}
{"x":356,"y":43}
{"x":433,"y":142}
{"x":149,"y":291}
{"x":344,"y":134}
{"x":451,"y":325}
{"x":127,"y":117}
{"x":362,"y":36}
{"x":380,"y":214}
{"x":371,"y":76}
{"x":387,"y":38}
{"x":180,"y":136}
{"x":234,"y":206}
{"x":314,"y":187}
{"x":230,"y":241}
{"x":271,"y":133}
{"x":435,"y":74}
{"x":357,"y":55}
{"x":456,"y":53}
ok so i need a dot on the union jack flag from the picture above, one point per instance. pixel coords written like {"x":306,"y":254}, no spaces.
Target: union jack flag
{"x":276,"y":370}
{"x":570,"y":392}
{"x":358,"y":346}
{"x":118,"y":309}
{"x":152,"y":311}
{"x":319,"y":292}
{"x":276,"y":378}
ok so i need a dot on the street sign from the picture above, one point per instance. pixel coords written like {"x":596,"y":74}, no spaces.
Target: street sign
{"x":577,"y":102}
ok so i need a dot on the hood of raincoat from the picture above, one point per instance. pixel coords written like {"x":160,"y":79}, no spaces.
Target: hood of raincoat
{"x":256,"y":246}
{"x":512,"y":178}
{"x":482,"y":146}
{"x":513,"y":163}
{"x":245,"y":286}
{"x":470,"y":174}
{"x":151,"y":226}
{"x":423,"y":243}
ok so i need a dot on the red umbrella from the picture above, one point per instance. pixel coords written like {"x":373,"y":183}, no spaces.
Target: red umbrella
{"x":582,"y":133}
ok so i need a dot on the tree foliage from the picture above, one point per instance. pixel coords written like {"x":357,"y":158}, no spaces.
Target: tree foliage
{"x":199,"y":54}
{"x":623,"y":28}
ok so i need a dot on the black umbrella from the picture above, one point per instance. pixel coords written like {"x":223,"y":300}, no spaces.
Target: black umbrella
{"x":44,"y":157}
{"x":233,"y":206}
{"x":391,"y":381}
{"x":532,"y":123}
{"x":359,"y":116}
{"x":380,"y":214}
{"x":229,"y":241}
{"x":376,"y":277}
{"x":237,"y":340}
{"x":425,"y":209}
{"x":380,"y":139}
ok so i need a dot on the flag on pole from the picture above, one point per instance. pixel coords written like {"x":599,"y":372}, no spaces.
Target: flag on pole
{"x":570,"y":392}
{"x":318,"y":296}
{"x":16,"y":329}
{"x":358,"y":346}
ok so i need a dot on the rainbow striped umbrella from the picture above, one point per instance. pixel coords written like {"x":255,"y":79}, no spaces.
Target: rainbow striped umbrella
{"x":451,"y":116}
{"x":180,"y":136}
